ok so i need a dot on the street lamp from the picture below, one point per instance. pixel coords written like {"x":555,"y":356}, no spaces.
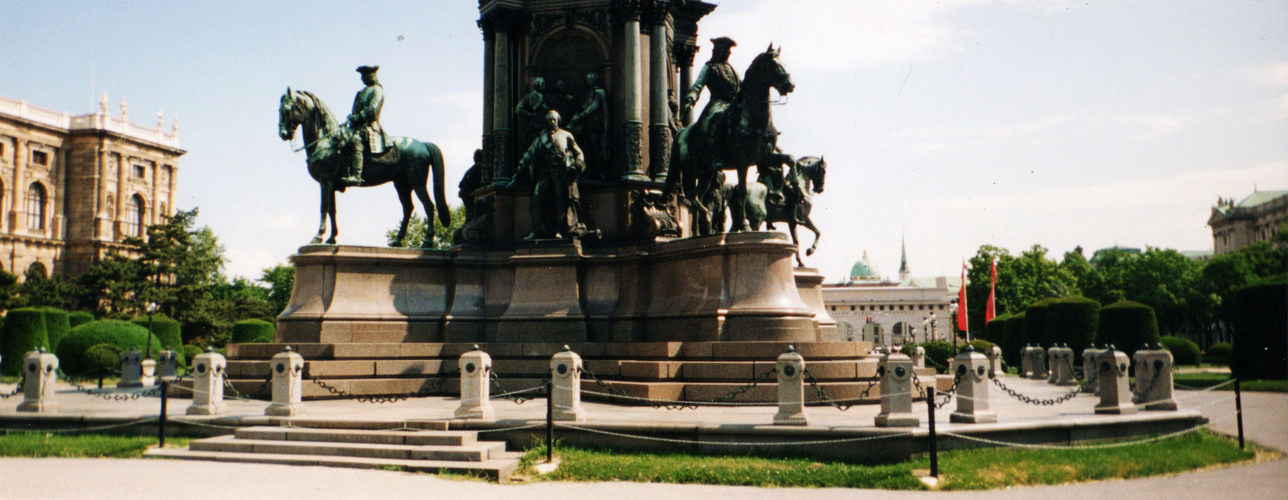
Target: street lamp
{"x":925,"y":328}
{"x":152,"y":308}
{"x":934,"y":330}
{"x":953,"y":308}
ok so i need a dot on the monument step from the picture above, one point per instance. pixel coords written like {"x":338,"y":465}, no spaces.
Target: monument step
{"x":394,"y":437}
{"x":498,"y":469}
{"x":472,"y":452}
{"x":711,"y":351}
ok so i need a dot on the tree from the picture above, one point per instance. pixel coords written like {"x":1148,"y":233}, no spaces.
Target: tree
{"x":38,"y":289}
{"x":281,"y":280}
{"x":1020,"y":281}
{"x":416,"y":231}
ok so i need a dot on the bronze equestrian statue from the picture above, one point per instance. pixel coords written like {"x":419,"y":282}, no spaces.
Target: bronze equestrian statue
{"x":806,"y":176}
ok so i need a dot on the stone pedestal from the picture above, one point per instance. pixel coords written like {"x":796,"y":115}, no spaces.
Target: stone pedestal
{"x":1115,"y":391}
{"x":544,"y":305}
{"x":1026,"y":361}
{"x":565,"y":373}
{"x":972,"y":388}
{"x":208,"y":369}
{"x":136,"y":371}
{"x":1061,"y":360}
{"x":1037,"y":363}
{"x":288,"y":386}
{"x":40,"y":371}
{"x":476,"y":385}
{"x":791,"y":389}
{"x":809,"y":284}
{"x":895,"y":371}
{"x":995,"y":361}
{"x":1154,"y":379}
{"x":918,"y":357}
{"x":167,"y":366}
{"x":1089,"y":376}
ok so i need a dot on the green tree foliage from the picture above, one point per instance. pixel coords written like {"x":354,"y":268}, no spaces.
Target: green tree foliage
{"x":1260,"y":332}
{"x":166,"y":330}
{"x":1184,"y":351}
{"x":122,"y":334}
{"x":1035,"y":323}
{"x":102,"y":359}
{"x":78,"y":318}
{"x":280,"y":280}
{"x":1128,"y":326}
{"x":417,"y":226}
{"x":24,"y":331}
{"x":1013,"y":338}
{"x":1021,"y":280}
{"x":38,"y":289}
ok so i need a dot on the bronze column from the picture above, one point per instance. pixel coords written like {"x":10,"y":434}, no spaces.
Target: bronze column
{"x":632,"y":119}
{"x":659,"y":80}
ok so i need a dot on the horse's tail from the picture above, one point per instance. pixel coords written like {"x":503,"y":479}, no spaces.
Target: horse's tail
{"x":440,"y":191}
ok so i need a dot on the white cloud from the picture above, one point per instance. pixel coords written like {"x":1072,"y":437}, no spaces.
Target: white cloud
{"x":1273,"y":75}
{"x":1155,"y":125}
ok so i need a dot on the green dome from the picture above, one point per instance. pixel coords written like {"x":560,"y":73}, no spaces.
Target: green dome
{"x":865,"y":270}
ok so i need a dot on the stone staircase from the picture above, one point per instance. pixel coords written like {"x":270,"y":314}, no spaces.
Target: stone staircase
{"x":429,"y":448}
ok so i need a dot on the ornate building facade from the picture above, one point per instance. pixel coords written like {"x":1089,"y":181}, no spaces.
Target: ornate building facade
{"x":72,"y":187}
{"x":1255,"y":218}
{"x":868,"y":307}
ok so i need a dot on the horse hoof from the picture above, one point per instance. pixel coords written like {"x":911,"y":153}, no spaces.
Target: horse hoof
{"x":316,"y":241}
{"x":809,"y":252}
{"x":331,"y":241}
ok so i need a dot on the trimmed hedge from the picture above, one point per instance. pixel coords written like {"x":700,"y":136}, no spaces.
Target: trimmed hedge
{"x":1219,"y":353}
{"x":1013,"y":338}
{"x":122,"y":334}
{"x":191,"y":351}
{"x":1072,"y":320}
{"x":167,"y":332}
{"x":57,"y":324}
{"x":1035,"y":324}
{"x":24,"y":331}
{"x":104,"y":358}
{"x":252,"y":331}
{"x":79,"y":318}
{"x":1261,"y":331}
{"x":1128,"y":326}
{"x":995,"y":330}
{"x":1184,"y":352}
{"x":980,"y":345}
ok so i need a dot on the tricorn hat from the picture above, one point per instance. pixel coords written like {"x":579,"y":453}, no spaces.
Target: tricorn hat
{"x":368,"y":69}
{"x":724,"y":41}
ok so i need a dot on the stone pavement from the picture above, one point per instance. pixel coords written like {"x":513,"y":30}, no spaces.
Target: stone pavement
{"x":1266,"y":416}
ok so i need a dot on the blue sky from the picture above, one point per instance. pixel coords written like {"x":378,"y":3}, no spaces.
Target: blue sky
{"x":953,"y":123}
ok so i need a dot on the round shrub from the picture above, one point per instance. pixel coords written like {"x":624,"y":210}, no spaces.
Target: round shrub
{"x":250,"y":331}
{"x":103,"y":358}
{"x":57,"y":324}
{"x":1035,"y":323}
{"x":1218,"y":353}
{"x":938,"y":354}
{"x":1184,"y":352}
{"x":24,"y":331}
{"x":1260,"y":331}
{"x":995,"y":330}
{"x":122,"y":334}
{"x":167,"y":332}
{"x":191,"y":351}
{"x":1013,"y":338}
{"x":1072,"y":321}
{"x":981,"y":346}
{"x":1128,"y":326}
{"x":79,"y":318}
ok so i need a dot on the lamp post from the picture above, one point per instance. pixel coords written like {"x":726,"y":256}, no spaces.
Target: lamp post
{"x":934,"y":329}
{"x":954,"y":310}
{"x":925,"y":328}
{"x":152,"y":307}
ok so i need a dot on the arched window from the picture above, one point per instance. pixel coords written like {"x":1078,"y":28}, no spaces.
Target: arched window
{"x":36,"y":207}
{"x":134,"y":217}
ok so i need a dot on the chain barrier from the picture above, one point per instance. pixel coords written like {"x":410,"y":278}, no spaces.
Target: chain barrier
{"x":259,"y":392}
{"x":843,"y":404}
{"x":1140,"y":396}
{"x":725,"y":400}
{"x":425,"y":391}
{"x":114,"y":395}
{"x":16,"y":390}
{"x":951,"y":392}
{"x":513,"y":396}
{"x":1037,"y":401}
{"x":1078,"y":447}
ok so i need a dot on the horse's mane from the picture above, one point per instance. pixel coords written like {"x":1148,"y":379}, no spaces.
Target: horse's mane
{"x":327,"y":121}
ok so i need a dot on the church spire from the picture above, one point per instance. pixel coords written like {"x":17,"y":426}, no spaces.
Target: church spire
{"x":903,"y":259}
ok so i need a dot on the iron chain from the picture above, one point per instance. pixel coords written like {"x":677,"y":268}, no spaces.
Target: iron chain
{"x":1036,"y":401}
{"x":822,"y":396}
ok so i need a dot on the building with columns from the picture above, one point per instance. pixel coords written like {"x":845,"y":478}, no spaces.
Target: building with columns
{"x":1253,"y":219}
{"x":869,"y":307}
{"x":72,"y":187}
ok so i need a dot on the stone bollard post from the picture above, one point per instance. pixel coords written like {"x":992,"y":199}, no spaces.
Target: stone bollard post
{"x":1115,"y":393}
{"x":136,"y":371}
{"x":995,"y":361}
{"x":288,"y":384}
{"x":972,"y":388}
{"x":1052,"y":364}
{"x":1154,"y":379}
{"x":1089,"y":367}
{"x":895,"y":371}
{"x":918,"y":357}
{"x":40,"y":371}
{"x":208,"y":370}
{"x":476,"y":385}
{"x":1026,"y":361}
{"x":1038,"y":363}
{"x":167,"y":366}
{"x":791,"y":389}
{"x":1062,"y":366}
{"x":565,"y":372}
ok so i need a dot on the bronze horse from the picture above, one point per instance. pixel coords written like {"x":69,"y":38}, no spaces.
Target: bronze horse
{"x":745,"y":136}
{"x":806,"y":175}
{"x":324,"y":140}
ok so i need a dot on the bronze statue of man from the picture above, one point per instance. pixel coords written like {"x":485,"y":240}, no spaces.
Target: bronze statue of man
{"x":364,"y":123}
{"x":721,"y":81}
{"x":553,"y":164}
{"x":532,"y":109}
{"x":591,"y":124}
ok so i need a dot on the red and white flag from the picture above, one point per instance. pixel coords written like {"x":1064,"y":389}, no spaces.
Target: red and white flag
{"x":961,"y":304}
{"x":990,"y":309}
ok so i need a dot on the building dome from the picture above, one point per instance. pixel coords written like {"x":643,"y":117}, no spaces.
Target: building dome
{"x":865,"y":270}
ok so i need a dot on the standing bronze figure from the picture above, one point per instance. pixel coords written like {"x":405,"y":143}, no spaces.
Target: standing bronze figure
{"x":553,"y":164}
{"x":408,"y":163}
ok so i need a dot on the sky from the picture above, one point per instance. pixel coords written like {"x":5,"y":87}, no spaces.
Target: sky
{"x":948,"y":124}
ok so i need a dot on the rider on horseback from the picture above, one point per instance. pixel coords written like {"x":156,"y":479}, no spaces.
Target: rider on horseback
{"x":720,"y":79}
{"x":771,"y":174}
{"x":364,"y":124}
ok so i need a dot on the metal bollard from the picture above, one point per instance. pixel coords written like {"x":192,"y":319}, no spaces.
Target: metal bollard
{"x":1115,"y":392}
{"x":565,"y":374}
{"x":208,"y":384}
{"x":136,"y":371}
{"x":1154,"y":379}
{"x":40,"y":371}
{"x":972,"y":388}
{"x":167,"y":366}
{"x":1089,"y":367}
{"x":791,"y":389}
{"x":895,"y":371}
{"x":288,"y":384}
{"x":476,"y":385}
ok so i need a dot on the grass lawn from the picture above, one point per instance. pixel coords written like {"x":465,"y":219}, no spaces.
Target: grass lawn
{"x":975,"y":469}
{"x":1200,"y":380}
{"x":37,"y":445}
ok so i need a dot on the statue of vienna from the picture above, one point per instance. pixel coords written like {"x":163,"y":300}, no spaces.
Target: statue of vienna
{"x":553,"y":164}
{"x":359,"y":154}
